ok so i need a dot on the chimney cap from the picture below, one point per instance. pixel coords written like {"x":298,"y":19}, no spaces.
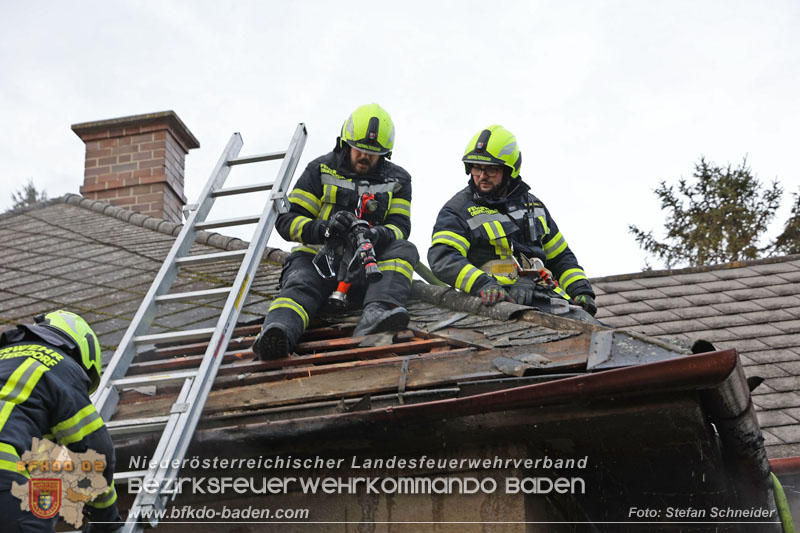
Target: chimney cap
{"x":168,"y":117}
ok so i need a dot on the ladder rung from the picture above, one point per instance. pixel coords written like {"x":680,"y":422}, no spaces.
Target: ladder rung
{"x":256,"y":158}
{"x":209,"y":258}
{"x":244,"y":189}
{"x":182,"y":296}
{"x":148,"y":379}
{"x":175,"y":336}
{"x":253,"y":219}
{"x":136,"y":425}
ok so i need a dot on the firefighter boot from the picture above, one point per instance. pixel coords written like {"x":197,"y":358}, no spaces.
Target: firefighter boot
{"x":273,"y":342}
{"x":378,"y":317}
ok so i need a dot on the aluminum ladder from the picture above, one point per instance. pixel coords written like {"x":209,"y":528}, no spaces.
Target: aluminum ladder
{"x":179,"y":425}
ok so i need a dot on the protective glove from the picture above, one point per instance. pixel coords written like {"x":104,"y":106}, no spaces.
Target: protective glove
{"x":381,"y":235}
{"x":493,"y":293}
{"x":340,"y":224}
{"x":587,"y":302}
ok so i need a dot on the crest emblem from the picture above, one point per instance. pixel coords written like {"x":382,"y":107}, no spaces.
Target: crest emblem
{"x":45,"y":497}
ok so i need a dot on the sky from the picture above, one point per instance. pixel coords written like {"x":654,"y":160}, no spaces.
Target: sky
{"x":606,"y":98}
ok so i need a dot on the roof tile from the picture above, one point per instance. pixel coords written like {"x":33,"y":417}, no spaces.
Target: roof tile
{"x":737,"y":307}
{"x":657,"y":281}
{"x":787,"y":433}
{"x":695,"y":278}
{"x":750,"y":294}
{"x":766,"y":371}
{"x":687,"y":313}
{"x":792,"y":277}
{"x":610,"y":299}
{"x":779,"y":400}
{"x":778,"y":302}
{"x":774,"y":418}
{"x":683,"y":290}
{"x":611,"y":287}
{"x":783,"y":341}
{"x":656,"y":317}
{"x":773,"y":356}
{"x":755,"y":330}
{"x":761,"y":281}
{"x":769,"y":438}
{"x":774,"y":268}
{"x":660,"y":304}
{"x":786,"y":289}
{"x":709,"y":299}
{"x":628,"y":308}
{"x":723,"y":321}
{"x":643,"y":294}
{"x":785,"y":384}
{"x":618,"y":321}
{"x":682,"y":326}
{"x":743,"y":345}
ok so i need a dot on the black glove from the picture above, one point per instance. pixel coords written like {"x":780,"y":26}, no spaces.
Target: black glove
{"x":381,"y":235}
{"x":493,"y":293}
{"x":340,"y":224}
{"x":587,"y":302}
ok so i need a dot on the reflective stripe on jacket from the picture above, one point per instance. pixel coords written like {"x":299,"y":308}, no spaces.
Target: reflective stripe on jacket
{"x":472,"y":230}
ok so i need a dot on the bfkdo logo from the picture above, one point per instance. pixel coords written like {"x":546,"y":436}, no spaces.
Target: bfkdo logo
{"x":45,"y":497}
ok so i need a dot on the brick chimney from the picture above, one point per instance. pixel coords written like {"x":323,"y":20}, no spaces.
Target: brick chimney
{"x":137,"y":162}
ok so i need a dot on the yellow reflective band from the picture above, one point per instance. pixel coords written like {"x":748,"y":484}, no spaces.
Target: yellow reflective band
{"x":397,"y":265}
{"x":9,"y":459}
{"x":497,"y":237}
{"x":451,"y":239}
{"x":329,"y":193}
{"x":305,"y":200}
{"x":571,"y":276}
{"x":466,"y":278}
{"x":307,"y":249}
{"x":105,"y":500}
{"x":503,"y":280}
{"x":554,"y":246}
{"x":325,"y":213}
{"x":75,"y":428}
{"x":398,"y":206}
{"x":296,"y":229}
{"x":560,"y":292}
{"x":544,"y":225}
{"x":398,"y":234}
{"x":19,"y":387}
{"x":288,"y":303}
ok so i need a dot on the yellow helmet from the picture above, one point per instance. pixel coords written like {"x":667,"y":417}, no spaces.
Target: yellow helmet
{"x":370,"y":129}
{"x":494,"y":145}
{"x":78,"y":330}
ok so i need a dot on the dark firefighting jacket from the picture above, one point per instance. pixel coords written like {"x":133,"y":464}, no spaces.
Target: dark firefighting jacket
{"x":44,"y":393}
{"x":473,"y":229}
{"x":326,"y":187}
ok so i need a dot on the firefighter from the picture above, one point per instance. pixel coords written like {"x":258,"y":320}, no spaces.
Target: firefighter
{"x":47,"y":371}
{"x":494,"y":229}
{"x":327,"y":204}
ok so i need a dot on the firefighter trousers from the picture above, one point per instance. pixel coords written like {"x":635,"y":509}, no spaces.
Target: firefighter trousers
{"x":303,"y":291}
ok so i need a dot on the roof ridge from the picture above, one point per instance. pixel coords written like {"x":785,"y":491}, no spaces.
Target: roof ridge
{"x":697,"y":269}
{"x":208,"y":238}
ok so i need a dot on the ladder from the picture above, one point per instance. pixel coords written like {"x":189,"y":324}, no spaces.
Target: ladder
{"x":180,"y":423}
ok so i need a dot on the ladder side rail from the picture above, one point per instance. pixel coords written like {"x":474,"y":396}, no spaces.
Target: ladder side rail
{"x":181,"y":435}
{"x":106,"y":396}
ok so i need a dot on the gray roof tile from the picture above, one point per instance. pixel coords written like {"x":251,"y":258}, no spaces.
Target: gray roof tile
{"x":755,"y":330}
{"x":604,"y":300}
{"x":722,"y":321}
{"x":737,"y":307}
{"x":766,"y":371}
{"x":683,"y":290}
{"x":774,"y":268}
{"x":778,"y":400}
{"x":785,"y":384}
{"x":682,"y":326}
{"x":618,"y":321}
{"x":750,"y":294}
{"x":695,"y":278}
{"x":709,"y":298}
{"x":792,"y":276}
{"x":656,"y":282}
{"x":617,"y":286}
{"x":772,"y":356}
{"x":786,"y":289}
{"x":656,"y":317}
{"x":628,"y":308}
{"x":687,"y":313}
{"x":787,"y":433}
{"x":778,"y":302}
{"x":775,"y":418}
{"x":783,"y":340}
{"x":643,"y":295}
{"x":769,"y":438}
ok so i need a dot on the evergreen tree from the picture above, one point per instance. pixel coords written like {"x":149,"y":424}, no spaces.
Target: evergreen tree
{"x":27,"y":195}
{"x":717,"y":218}
{"x":788,"y":242}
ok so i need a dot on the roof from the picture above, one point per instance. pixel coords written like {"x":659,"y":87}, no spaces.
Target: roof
{"x":751,"y":306}
{"x":457,"y":360}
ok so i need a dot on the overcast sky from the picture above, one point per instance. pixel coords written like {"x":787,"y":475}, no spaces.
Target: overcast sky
{"x":606,"y":98}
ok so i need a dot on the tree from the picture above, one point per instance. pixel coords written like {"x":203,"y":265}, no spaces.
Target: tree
{"x":727,"y":213}
{"x":788,"y":242}
{"x":27,"y":195}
